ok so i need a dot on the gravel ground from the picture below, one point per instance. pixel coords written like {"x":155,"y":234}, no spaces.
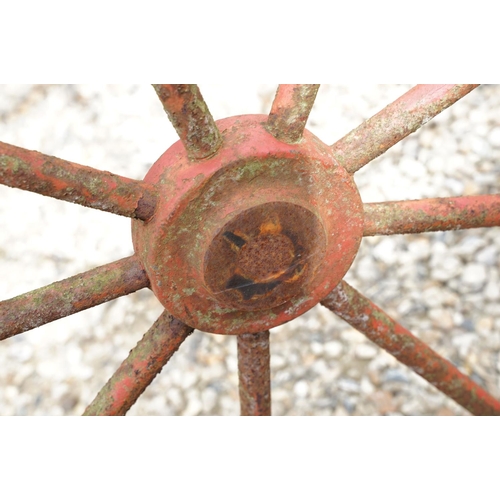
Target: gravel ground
{"x":444,"y":287}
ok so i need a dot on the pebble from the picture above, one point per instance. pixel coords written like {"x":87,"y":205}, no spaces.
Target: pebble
{"x":333,"y":349}
{"x":365,"y":351}
{"x":474,"y":276}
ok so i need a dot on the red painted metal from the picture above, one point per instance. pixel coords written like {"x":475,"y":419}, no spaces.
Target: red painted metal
{"x":254,"y":373}
{"x":435,"y":214}
{"x":67,"y":181}
{"x":257,"y":193}
{"x":290,"y":110}
{"x":405,"y":115}
{"x":369,"y":319}
{"x":144,"y":362}
{"x":191,"y":118}
{"x":71,"y":295}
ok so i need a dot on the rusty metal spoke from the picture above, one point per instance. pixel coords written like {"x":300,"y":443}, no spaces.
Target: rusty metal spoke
{"x":254,"y":373}
{"x":191,"y":118}
{"x":143,"y":363}
{"x":290,"y":110}
{"x":369,"y":319}
{"x":43,"y":174}
{"x":402,"y":117}
{"x":71,"y":295}
{"x":434,"y":214}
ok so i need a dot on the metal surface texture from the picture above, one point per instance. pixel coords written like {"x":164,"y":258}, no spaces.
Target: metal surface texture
{"x":242,"y":225}
{"x":67,"y":181}
{"x":71,"y":295}
{"x":204,"y":221}
{"x":438,"y":214}
{"x":254,"y":374}
{"x":404,"y":116}
{"x":142,"y":365}
{"x":369,"y":319}
{"x":191,"y":118}
{"x":290,"y":110}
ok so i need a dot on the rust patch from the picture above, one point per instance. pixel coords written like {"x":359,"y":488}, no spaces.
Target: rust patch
{"x":140,"y":368}
{"x":67,"y":181}
{"x":290,"y":110}
{"x":264,"y":256}
{"x":71,"y":295}
{"x":381,"y":329}
{"x":435,"y":214}
{"x":191,"y":119}
{"x":254,"y":374}
{"x":402,"y":117}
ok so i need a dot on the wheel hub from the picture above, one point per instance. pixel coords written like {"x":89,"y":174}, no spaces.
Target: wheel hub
{"x":254,"y":236}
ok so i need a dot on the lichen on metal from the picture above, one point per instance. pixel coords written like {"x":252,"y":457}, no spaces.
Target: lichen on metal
{"x":435,"y":214}
{"x":254,"y":373}
{"x":381,"y":329}
{"x":191,"y":119}
{"x":205,"y":225}
{"x":143,"y":364}
{"x":72,"y":295}
{"x":67,"y":181}
{"x":290,"y":110}
{"x":399,"y":119}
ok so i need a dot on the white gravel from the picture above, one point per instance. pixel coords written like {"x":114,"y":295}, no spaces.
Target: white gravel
{"x":442,"y":286}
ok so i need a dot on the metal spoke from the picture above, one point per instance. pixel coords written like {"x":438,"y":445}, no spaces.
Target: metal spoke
{"x":290,"y":110}
{"x":254,"y":373}
{"x":404,"y":116}
{"x":434,"y":214}
{"x":71,"y":295}
{"x":43,"y":174}
{"x":369,"y":319}
{"x":191,"y":118}
{"x":144,"y":362}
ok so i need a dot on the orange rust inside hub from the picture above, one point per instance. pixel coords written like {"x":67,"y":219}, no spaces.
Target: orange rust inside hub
{"x":252,"y":237}
{"x":265,"y":256}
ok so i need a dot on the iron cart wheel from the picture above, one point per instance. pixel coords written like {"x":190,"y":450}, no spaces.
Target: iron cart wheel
{"x":242,"y":225}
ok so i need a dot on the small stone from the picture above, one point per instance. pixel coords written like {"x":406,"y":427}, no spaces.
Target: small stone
{"x":386,"y":251}
{"x":394,"y":375}
{"x":488,"y":255}
{"x":301,"y":389}
{"x":68,"y":401}
{"x":367,"y":269}
{"x":420,"y":249}
{"x":333,"y":349}
{"x":383,"y":401}
{"x":494,"y":137}
{"x":208,"y":400}
{"x":445,"y":268}
{"x":348,"y":385}
{"x":194,"y":405}
{"x":365,"y":351}
{"x":474,"y":276}
{"x":463,"y":343}
{"x":468,"y":246}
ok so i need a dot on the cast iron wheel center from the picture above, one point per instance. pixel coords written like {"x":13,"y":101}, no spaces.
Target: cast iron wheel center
{"x":265,"y":256}
{"x":252,"y":237}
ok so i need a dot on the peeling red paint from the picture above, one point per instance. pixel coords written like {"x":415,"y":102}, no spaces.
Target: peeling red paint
{"x":369,"y":319}
{"x":253,"y":172}
{"x":290,"y":110}
{"x":435,"y":214}
{"x":67,"y":181}
{"x":71,"y":295}
{"x":191,"y":118}
{"x":254,"y":373}
{"x":144,"y":362}
{"x":405,"y":115}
